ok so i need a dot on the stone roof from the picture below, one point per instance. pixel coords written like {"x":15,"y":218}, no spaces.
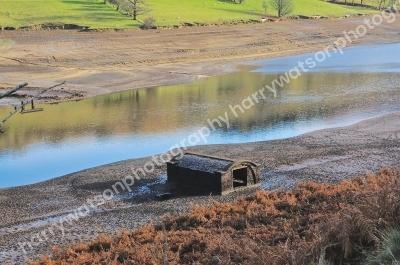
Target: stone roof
{"x":205,"y":163}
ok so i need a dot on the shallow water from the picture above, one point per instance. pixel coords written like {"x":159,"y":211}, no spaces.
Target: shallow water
{"x":68,"y":137}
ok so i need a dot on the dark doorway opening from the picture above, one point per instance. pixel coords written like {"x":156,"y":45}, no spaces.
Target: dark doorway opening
{"x":240,"y":177}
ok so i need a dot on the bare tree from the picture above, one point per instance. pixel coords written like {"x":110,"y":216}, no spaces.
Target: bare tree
{"x":265,"y":6}
{"x":138,"y":7}
{"x":116,"y":3}
{"x":391,"y":4}
{"x":131,"y":7}
{"x":381,"y":4}
{"x":284,"y":7}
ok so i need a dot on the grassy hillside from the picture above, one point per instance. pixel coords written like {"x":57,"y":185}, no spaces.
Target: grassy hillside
{"x":95,"y":14}
{"x":91,"y":13}
{"x":214,"y":10}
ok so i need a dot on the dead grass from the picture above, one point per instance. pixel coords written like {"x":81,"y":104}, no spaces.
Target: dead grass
{"x":311,"y":224}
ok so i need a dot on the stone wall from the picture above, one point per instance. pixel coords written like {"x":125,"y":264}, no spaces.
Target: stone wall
{"x":196,"y":181}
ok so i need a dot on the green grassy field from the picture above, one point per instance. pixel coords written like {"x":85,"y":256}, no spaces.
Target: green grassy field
{"x":95,"y":14}
{"x":213,"y":10}
{"x":92,"y":13}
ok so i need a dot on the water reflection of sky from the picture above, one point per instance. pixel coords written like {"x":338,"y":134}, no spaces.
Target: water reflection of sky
{"x":356,"y":59}
{"x":74,"y":136}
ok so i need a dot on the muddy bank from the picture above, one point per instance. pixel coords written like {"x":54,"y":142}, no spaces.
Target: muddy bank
{"x":328,"y":155}
{"x":94,"y":63}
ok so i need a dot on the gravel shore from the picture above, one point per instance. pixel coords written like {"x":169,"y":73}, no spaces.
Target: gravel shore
{"x":32,"y":216}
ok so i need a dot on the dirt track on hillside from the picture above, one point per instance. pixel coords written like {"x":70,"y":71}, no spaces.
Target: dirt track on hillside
{"x":96,"y":63}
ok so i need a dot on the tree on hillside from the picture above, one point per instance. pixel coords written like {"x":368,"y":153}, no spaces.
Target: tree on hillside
{"x":138,"y":7}
{"x":284,"y":7}
{"x":116,"y":3}
{"x":131,"y":7}
{"x":265,"y":6}
{"x":381,"y":4}
{"x":389,"y":4}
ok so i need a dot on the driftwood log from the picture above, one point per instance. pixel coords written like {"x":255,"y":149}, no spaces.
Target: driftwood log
{"x":26,"y":103}
{"x":15,"y":89}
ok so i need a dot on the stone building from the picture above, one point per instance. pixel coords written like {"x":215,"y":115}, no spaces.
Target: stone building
{"x":198,"y":173}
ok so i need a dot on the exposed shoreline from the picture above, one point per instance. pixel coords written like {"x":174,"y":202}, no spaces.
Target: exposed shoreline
{"x":329,"y":155}
{"x":98,"y":63}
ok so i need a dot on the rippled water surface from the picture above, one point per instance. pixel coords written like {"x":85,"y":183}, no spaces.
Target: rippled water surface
{"x":360,"y":84}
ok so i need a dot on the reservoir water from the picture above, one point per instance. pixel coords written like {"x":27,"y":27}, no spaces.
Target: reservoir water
{"x":344,"y":89}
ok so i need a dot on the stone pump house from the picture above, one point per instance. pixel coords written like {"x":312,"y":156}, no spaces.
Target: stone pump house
{"x":199,"y":173}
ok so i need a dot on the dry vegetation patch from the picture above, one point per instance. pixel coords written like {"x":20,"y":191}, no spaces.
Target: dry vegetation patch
{"x":314,"y":222}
